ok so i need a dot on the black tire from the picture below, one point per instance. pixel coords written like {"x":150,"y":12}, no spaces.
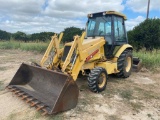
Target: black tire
{"x":96,"y":76}
{"x":125,"y":62}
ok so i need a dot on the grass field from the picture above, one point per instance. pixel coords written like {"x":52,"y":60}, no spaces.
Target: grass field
{"x":150,"y":60}
{"x":29,"y":46}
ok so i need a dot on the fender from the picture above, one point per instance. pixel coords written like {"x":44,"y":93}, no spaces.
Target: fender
{"x":122,"y":48}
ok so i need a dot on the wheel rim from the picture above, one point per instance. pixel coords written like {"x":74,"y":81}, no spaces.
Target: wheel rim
{"x":102,"y":80}
{"x":128,"y":64}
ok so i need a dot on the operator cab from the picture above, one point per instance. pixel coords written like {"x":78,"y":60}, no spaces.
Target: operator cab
{"x":111,"y":26}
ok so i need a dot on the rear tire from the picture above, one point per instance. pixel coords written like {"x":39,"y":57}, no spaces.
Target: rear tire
{"x":125,"y":62}
{"x":97,"y":79}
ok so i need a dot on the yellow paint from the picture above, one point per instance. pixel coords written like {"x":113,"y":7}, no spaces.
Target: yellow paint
{"x":84,"y":50}
{"x":111,"y":13}
{"x":104,"y":79}
{"x":128,"y":66}
{"x":123,"y":47}
{"x":116,"y":13}
{"x":54,"y":43}
{"x":109,"y":66}
{"x":88,"y":65}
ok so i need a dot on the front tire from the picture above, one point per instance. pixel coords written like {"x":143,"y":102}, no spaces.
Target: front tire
{"x":125,"y":62}
{"x":97,"y":79}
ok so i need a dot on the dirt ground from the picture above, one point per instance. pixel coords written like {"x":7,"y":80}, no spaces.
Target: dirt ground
{"x":134,"y":98}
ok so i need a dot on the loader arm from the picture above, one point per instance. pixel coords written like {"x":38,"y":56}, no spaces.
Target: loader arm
{"x":82,"y":55}
{"x":77,"y":44}
{"x":94,"y":51}
{"x":55,"y":42}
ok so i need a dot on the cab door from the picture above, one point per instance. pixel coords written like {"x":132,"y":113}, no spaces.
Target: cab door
{"x":120,"y":36}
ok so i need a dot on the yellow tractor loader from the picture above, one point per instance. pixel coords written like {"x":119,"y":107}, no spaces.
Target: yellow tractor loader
{"x":101,"y":50}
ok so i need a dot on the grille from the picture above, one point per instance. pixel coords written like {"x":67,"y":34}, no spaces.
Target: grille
{"x":65,"y":53}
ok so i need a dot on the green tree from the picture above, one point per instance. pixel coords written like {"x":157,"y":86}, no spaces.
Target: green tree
{"x":43,"y":36}
{"x":20,"y":36}
{"x":4,"y":35}
{"x":146,"y":34}
{"x":70,"y":32}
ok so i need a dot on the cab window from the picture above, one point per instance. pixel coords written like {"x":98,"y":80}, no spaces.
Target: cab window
{"x":119,"y":29}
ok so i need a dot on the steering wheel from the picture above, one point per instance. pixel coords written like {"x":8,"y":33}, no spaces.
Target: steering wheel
{"x":101,"y":32}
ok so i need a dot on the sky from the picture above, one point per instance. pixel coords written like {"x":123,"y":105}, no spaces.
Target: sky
{"x":34,"y":16}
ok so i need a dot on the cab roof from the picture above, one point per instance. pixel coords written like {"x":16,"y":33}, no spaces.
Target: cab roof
{"x":109,"y":13}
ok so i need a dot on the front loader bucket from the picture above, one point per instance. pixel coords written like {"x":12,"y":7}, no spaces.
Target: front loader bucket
{"x":137,"y":64}
{"x":49,"y":91}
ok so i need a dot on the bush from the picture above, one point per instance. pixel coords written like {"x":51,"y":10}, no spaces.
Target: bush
{"x":146,"y":35}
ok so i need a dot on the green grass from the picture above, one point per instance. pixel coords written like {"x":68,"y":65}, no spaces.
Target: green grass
{"x":55,"y":117}
{"x":37,"y":115}
{"x":29,"y":46}
{"x":126,"y":94}
{"x":146,"y":94}
{"x":149,"y":115}
{"x":114,"y":117}
{"x":3,"y":68}
{"x":12,"y":116}
{"x":150,"y":60}
{"x":136,"y":106}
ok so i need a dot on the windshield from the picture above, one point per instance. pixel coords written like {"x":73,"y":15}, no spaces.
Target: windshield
{"x":99,"y":26}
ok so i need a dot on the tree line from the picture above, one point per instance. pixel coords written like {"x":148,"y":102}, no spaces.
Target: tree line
{"x":21,"y":36}
{"x":42,"y":36}
{"x":145,"y":35}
